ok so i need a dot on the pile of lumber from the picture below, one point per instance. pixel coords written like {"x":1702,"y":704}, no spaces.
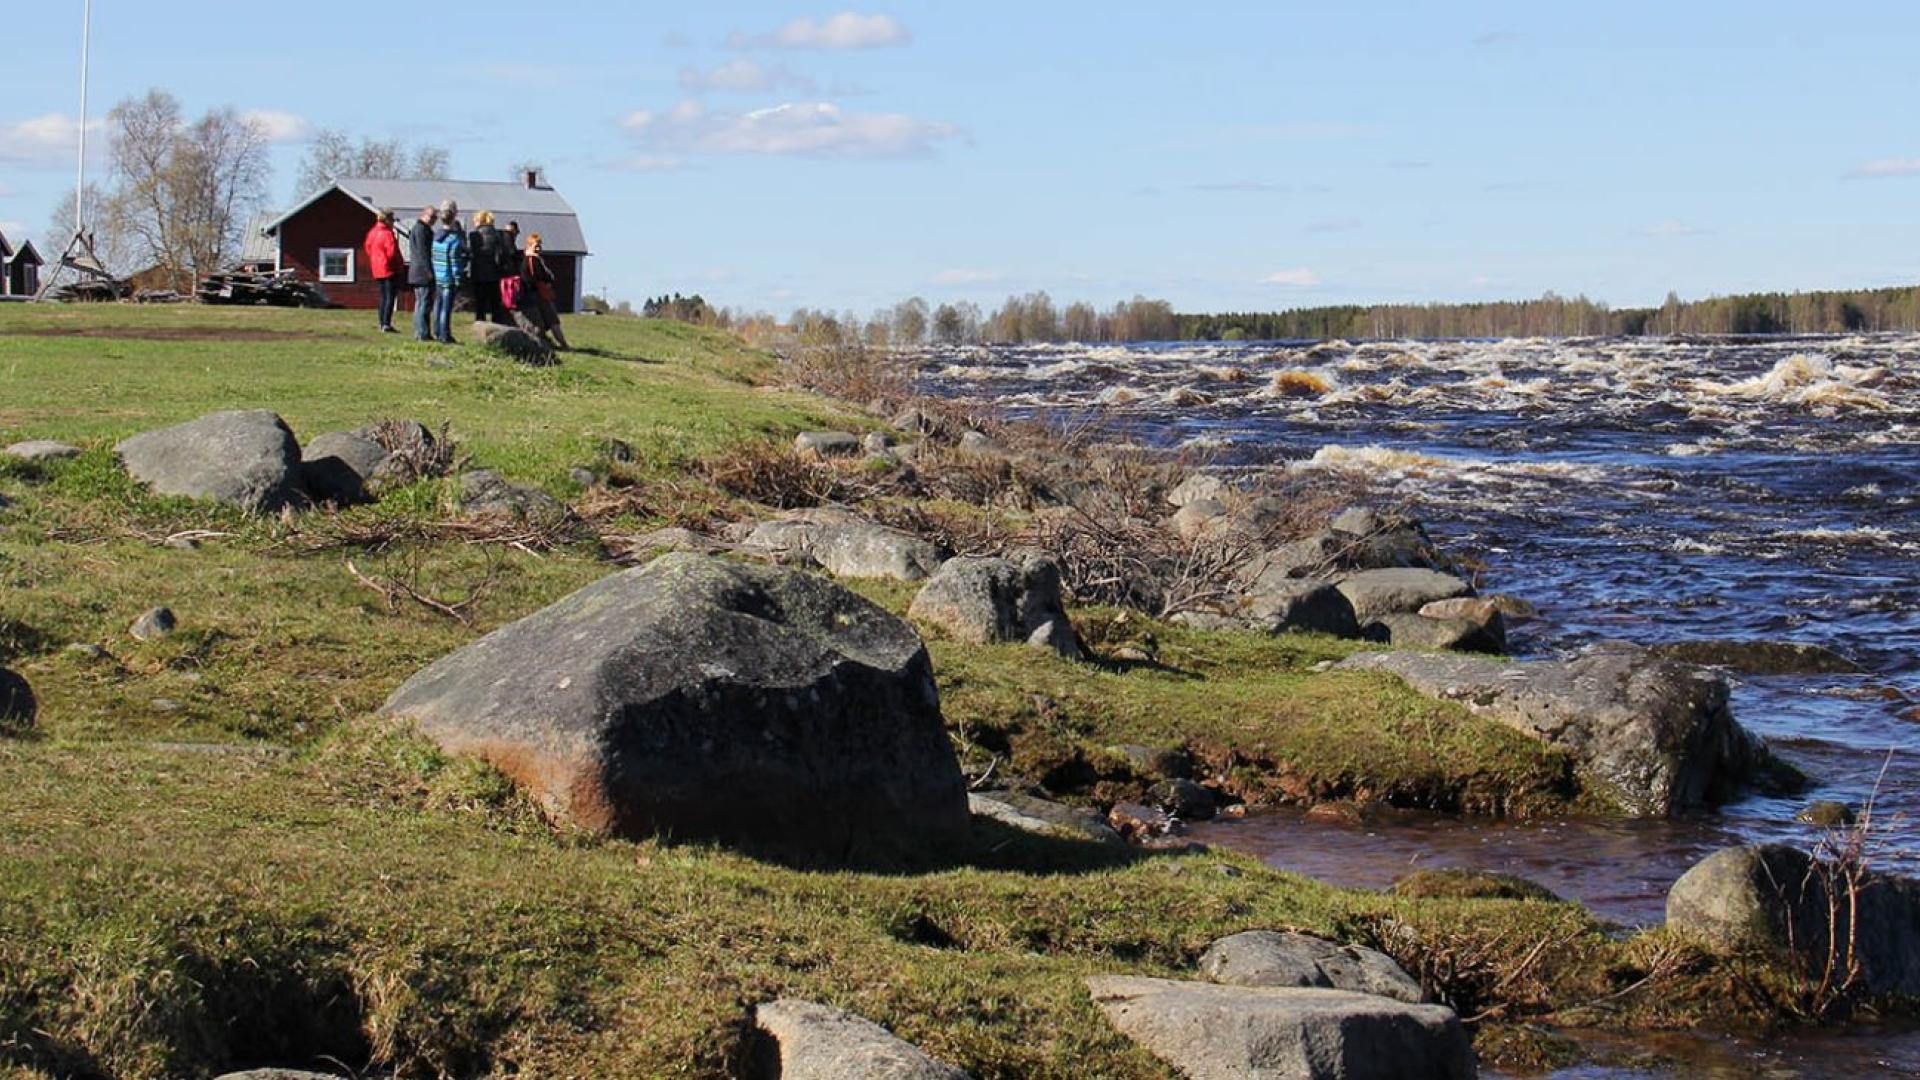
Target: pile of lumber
{"x":279,"y":289}
{"x":89,"y":290}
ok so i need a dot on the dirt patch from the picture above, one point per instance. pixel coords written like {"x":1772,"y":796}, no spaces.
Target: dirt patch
{"x":179,"y":333}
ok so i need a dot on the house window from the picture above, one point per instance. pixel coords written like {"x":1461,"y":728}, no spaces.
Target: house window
{"x":336,"y":264}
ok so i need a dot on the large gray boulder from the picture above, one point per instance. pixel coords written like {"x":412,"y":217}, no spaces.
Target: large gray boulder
{"x":981,"y":601}
{"x":1656,"y":736}
{"x":1210,"y":1032}
{"x":1779,"y":899}
{"x":512,"y":341}
{"x":247,"y":458}
{"x":1301,"y":605}
{"x":41,"y":450}
{"x":1374,"y":593}
{"x":1201,"y":486}
{"x":809,"y":1041}
{"x":704,"y":699}
{"x":336,"y":467}
{"x":1276,"y":958}
{"x":845,"y":545}
{"x":1043,"y":817}
{"x":1357,"y":539}
{"x":17,"y":705}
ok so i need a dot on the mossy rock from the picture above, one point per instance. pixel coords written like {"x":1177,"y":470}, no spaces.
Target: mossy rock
{"x":1461,"y":883}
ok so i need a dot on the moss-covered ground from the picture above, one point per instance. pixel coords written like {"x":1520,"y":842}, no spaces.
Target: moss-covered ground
{"x":211,"y":857}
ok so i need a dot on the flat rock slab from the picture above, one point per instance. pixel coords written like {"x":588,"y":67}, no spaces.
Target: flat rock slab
{"x":819,"y":1042}
{"x":1657,"y":736}
{"x":1043,"y":817}
{"x":1211,"y":1032}
{"x":41,"y":450}
{"x":1279,"y":958}
{"x":827,"y":443}
{"x":700,"y":698}
{"x":1760,"y":657}
{"x":845,"y":545}
{"x":247,"y":458}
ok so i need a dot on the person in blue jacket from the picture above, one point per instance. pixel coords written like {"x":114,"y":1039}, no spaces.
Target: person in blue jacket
{"x":449,"y":268}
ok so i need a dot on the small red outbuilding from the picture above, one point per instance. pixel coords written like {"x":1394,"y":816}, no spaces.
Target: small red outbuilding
{"x":320,"y":240}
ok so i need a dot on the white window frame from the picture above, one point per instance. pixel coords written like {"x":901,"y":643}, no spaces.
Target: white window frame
{"x":322,"y":264}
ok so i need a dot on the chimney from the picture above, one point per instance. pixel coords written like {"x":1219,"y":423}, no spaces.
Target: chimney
{"x":533,"y":178}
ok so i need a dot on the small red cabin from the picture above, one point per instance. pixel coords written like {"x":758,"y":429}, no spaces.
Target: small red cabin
{"x":320,"y":240}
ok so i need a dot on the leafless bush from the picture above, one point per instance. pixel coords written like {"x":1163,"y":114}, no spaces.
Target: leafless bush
{"x":1826,"y":976}
{"x":770,"y":474}
{"x":849,"y":370}
{"x":413,"y":451}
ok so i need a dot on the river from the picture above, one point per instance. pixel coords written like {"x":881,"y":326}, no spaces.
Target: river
{"x":1645,"y":490}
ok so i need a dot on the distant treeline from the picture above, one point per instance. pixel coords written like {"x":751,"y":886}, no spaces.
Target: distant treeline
{"x":1035,"y":318}
{"x":1557,"y":316}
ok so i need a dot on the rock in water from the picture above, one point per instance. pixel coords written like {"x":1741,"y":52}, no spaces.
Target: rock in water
{"x":17,"y":706}
{"x":980,"y":601}
{"x":819,"y":1042}
{"x":1463,"y":883}
{"x":1657,"y":736}
{"x":1272,"y":958}
{"x":704,"y":699}
{"x":1210,"y":1032}
{"x":249,"y":459}
{"x":1775,"y":898}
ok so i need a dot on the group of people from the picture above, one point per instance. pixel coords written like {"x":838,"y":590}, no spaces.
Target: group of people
{"x":505,"y":283}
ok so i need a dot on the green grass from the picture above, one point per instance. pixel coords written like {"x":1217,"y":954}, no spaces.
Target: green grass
{"x":210,"y":857}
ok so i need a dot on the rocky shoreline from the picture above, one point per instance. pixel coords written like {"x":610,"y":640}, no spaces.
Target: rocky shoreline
{"x":741,"y":686}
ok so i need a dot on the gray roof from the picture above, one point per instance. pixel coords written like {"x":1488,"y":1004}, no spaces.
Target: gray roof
{"x":6,"y":250}
{"x":256,"y":246}
{"x":538,"y":210}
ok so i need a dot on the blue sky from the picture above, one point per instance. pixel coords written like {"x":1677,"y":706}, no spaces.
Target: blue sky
{"x":1222,"y":155}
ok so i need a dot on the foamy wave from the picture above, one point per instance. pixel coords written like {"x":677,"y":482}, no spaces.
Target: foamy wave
{"x":1373,"y":460}
{"x":1810,"y":380}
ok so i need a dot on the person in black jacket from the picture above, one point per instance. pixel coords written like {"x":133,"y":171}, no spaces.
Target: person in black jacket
{"x":420,"y":274}
{"x":487,"y":255}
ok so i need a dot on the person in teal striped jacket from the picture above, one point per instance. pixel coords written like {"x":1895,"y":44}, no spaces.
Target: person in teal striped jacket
{"x":449,"y":268}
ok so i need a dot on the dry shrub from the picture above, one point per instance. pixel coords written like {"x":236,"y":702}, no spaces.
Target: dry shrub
{"x":850,"y":371}
{"x":414,"y":452}
{"x":768,"y":473}
{"x":963,"y":533}
{"x":672,"y":502}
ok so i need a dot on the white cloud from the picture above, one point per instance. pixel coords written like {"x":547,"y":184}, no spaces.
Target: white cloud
{"x":847,"y":30}
{"x":277,"y":125}
{"x":1880,"y":167}
{"x":966,"y":276}
{"x":1299,"y":278}
{"x":745,"y":76}
{"x":1671,"y":228}
{"x":800,"y":129}
{"x":42,"y":140}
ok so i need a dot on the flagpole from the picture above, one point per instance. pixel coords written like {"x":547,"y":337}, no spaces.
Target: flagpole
{"x":80,"y":181}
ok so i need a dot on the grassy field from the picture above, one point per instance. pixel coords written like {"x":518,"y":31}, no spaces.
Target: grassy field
{"x":210,"y":856}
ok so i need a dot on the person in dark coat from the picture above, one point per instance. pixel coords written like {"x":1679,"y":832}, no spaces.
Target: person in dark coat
{"x":538,"y":314}
{"x":383,"y":260}
{"x":486,"y":259}
{"x":420,"y":274}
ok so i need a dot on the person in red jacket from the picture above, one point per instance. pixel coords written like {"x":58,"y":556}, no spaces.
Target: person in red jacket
{"x":383,"y":259}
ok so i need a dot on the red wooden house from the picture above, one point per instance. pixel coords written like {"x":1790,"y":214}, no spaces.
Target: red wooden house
{"x":320,"y":240}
